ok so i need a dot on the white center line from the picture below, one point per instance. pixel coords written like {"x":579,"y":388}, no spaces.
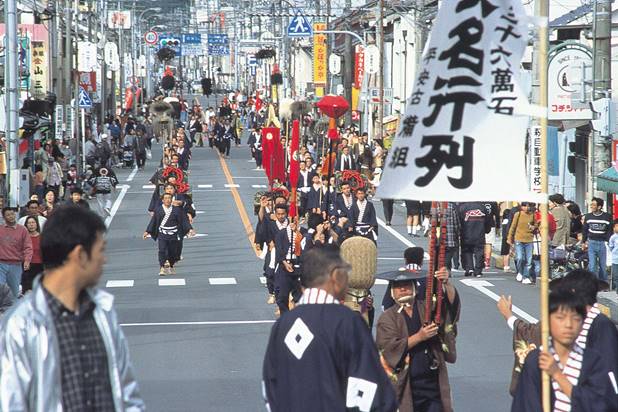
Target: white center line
{"x":116,"y":206}
{"x":232,"y":185}
{"x":220,"y":322}
{"x":222,"y":281}
{"x":204,"y":186}
{"x":172,"y":282}
{"x":148,"y":186}
{"x":259,"y":186}
{"x":119,"y":284}
{"x":132,"y":175}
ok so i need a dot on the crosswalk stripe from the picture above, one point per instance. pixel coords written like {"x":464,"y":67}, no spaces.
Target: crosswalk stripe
{"x":259,"y":186}
{"x":119,"y":284}
{"x":148,"y":186}
{"x":222,"y":281}
{"x":204,"y":186}
{"x":172,"y":282}
{"x":232,"y":185}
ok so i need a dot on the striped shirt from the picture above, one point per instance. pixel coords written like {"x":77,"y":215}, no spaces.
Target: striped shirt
{"x":597,"y":227}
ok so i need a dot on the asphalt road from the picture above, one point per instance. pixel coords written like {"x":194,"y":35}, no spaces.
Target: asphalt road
{"x":197,"y":339}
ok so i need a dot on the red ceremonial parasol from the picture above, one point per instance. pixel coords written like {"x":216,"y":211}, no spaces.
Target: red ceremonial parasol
{"x":334,"y":107}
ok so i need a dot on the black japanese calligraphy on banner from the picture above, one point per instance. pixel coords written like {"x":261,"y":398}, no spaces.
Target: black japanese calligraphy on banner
{"x":462,"y":133}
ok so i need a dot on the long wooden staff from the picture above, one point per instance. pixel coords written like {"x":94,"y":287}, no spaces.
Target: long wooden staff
{"x":432,"y":266}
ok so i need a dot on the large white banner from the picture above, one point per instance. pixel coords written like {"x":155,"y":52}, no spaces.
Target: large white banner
{"x":460,"y":138}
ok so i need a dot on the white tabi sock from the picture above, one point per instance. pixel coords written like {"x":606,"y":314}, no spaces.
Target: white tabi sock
{"x":409,"y":229}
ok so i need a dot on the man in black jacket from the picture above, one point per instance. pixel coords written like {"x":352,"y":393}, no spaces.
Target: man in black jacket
{"x":475,"y":222}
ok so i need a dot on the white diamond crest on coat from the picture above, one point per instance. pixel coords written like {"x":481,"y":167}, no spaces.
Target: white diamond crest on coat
{"x":360,"y":394}
{"x":298,"y":338}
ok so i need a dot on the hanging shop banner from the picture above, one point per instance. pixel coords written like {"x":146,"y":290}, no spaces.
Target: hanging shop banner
{"x":24,"y":61}
{"x":534,"y":143}
{"x":320,"y":64}
{"x":359,"y":66}
{"x":38,"y":70}
{"x":119,"y":19}
{"x":461,"y":135}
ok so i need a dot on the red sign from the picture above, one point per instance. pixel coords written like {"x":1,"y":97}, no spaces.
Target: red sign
{"x":615,"y":196}
{"x":359,"y":66}
{"x":88,"y":81}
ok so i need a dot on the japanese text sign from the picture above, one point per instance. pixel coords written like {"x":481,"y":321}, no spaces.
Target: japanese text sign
{"x":460,"y":138}
{"x":320,"y":64}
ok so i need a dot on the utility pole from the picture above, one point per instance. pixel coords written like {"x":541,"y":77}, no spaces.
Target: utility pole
{"x":11,"y":85}
{"x":380,"y":133}
{"x":420,"y":33}
{"x":600,"y":156}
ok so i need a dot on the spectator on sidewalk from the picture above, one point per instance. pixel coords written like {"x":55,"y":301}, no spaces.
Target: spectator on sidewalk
{"x":48,"y":204}
{"x":32,"y":209}
{"x":40,"y":351}
{"x":36,"y":264}
{"x":521,"y":235}
{"x":15,"y":250}
{"x":613,"y":248}
{"x":595,"y":234}
{"x":562,"y":216}
{"x":77,"y":198}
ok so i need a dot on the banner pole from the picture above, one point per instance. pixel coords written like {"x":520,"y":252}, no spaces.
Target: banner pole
{"x":543,"y":10}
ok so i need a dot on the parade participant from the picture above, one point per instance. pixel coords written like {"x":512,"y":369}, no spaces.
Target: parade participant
{"x":43,"y":365}
{"x":303,"y":186}
{"x":413,"y":261}
{"x":184,"y":155}
{"x":346,"y":161}
{"x":76,"y":198}
{"x":474,"y":223}
{"x":364,"y":216}
{"x":598,"y":331}
{"x":263,"y":240}
{"x":288,"y":249}
{"x":103,"y":184}
{"x":300,"y":372}
{"x":580,"y":379}
{"x":414,"y":355}
{"x":315,"y":195}
{"x":16,"y":250}
{"x":32,"y":209}
{"x":272,"y":228}
{"x":596,"y":233}
{"x":255,"y":144}
{"x":345,"y":200}
{"x":168,"y":225}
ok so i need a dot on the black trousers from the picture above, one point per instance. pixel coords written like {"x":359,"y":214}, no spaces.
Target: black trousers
{"x":452,"y":257}
{"x":225,"y":147}
{"x":472,"y":257}
{"x":286,"y":283}
{"x":258,"y":158}
{"x":387,"y":206}
{"x":141,"y":159}
{"x":168,"y":250}
{"x":28,"y":276}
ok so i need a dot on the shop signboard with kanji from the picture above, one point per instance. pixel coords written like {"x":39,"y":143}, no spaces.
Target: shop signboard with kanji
{"x":462,"y":133}
{"x":320,"y":63}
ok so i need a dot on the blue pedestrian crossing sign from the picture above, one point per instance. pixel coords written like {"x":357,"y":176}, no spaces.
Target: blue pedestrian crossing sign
{"x":84,"y":100}
{"x":299,"y":26}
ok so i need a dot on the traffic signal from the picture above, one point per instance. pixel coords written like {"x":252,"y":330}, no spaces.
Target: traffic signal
{"x":578,"y":148}
{"x":170,"y":43}
{"x":604,"y":113}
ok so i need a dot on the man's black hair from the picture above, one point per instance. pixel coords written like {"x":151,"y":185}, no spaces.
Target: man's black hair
{"x":77,"y":190}
{"x":345,"y":182}
{"x":68,"y":227}
{"x":318,"y":265}
{"x":362,"y":189}
{"x":32,"y":202}
{"x":7,"y":208}
{"x":583,"y":283}
{"x":281,"y":206}
{"x":314,"y":220}
{"x":414,"y":255}
{"x":565,"y":299}
{"x":166,"y":194}
{"x":599,"y":201}
{"x":557,"y":198}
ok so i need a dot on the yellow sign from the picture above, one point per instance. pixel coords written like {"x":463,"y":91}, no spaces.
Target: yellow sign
{"x":38,"y":69}
{"x":320,"y":63}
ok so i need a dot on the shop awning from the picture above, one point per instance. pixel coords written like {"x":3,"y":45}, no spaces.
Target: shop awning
{"x":607,"y":181}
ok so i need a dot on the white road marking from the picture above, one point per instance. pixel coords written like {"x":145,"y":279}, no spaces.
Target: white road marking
{"x":390,"y":258}
{"x":172,"y":282}
{"x":481,"y":285}
{"x":259,"y":186}
{"x":263,"y":280}
{"x":231,"y":185}
{"x":249,"y":177}
{"x":116,"y":206}
{"x":148,"y":186}
{"x":381,"y":282}
{"x":197,"y":235}
{"x":220,"y":322}
{"x":398,"y":235}
{"x":199,"y":212}
{"x":132,"y":175}
{"x":119,"y":283}
{"x":222,"y":281}
{"x":204,"y":186}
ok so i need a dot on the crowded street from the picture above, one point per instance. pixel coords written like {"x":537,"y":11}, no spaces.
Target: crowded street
{"x":361,"y":206}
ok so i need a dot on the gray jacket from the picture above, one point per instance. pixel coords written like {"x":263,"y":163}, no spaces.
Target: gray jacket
{"x":30,"y":377}
{"x":563,"y":225}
